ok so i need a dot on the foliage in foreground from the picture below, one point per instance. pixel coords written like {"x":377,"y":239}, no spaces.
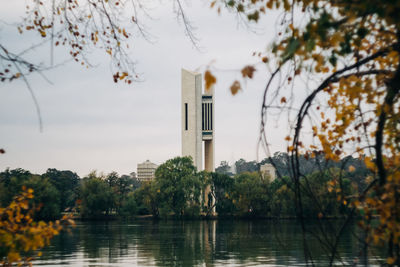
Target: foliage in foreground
{"x":346,"y":57}
{"x":20,"y":234}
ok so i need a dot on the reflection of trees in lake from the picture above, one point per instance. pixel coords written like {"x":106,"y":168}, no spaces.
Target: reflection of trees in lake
{"x":280,"y":242}
{"x":191,"y":243}
{"x":182,"y":243}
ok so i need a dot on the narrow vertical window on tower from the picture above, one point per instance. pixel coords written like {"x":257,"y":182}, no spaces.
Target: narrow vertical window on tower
{"x":202,"y":116}
{"x":205,"y":116}
{"x":208,"y":116}
{"x":211,"y":116}
{"x":186,"y":116}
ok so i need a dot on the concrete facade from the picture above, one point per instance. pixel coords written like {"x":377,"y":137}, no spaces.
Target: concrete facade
{"x":268,"y":170}
{"x":191,"y":117}
{"x":198,"y":123}
{"x":146,"y":171}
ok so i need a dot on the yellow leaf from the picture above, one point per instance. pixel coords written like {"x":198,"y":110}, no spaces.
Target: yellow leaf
{"x":124,"y":74}
{"x":390,"y":260}
{"x":13,"y":256}
{"x":209,"y":79}
{"x":351,"y":168}
{"x":369,"y":163}
{"x":42,"y":33}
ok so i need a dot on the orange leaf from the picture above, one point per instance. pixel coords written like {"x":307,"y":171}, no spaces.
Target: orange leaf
{"x":390,"y":260}
{"x":42,"y":33}
{"x":247,"y":72}
{"x":235,"y":87}
{"x":209,"y":79}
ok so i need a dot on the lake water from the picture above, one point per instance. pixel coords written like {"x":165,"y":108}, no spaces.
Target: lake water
{"x":196,"y":243}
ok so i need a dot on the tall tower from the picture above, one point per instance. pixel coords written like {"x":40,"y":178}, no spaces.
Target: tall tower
{"x":197,"y":122}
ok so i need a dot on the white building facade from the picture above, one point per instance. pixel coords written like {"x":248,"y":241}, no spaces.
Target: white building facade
{"x":268,"y":170}
{"x":146,"y":171}
{"x":198,"y":122}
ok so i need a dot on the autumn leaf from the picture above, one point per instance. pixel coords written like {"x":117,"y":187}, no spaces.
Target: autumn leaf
{"x":390,"y":260}
{"x":352,"y":168}
{"x":283,"y":100}
{"x":123,"y":75}
{"x":247,"y":72}
{"x":235,"y":87}
{"x":209,"y":79}
{"x":20,"y":233}
{"x":42,"y":33}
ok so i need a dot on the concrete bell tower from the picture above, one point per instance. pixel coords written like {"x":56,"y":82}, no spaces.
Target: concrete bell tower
{"x":198,"y":122}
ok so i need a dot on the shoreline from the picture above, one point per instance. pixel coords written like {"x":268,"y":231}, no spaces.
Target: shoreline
{"x":204,"y":218}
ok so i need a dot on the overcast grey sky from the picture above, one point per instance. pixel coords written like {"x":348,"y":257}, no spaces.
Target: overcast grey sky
{"x":91,"y":123}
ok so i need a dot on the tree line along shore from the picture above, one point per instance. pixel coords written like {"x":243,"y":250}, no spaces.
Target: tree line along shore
{"x":177,"y":190}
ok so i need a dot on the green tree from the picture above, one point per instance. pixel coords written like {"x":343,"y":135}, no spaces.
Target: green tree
{"x":67,"y":183}
{"x":146,"y":198}
{"x":224,"y":168}
{"x":12,"y":181}
{"x":246,"y":166}
{"x":47,"y":197}
{"x":123,"y":189}
{"x":97,"y":198}
{"x":129,"y":206}
{"x":179,"y":186}
{"x":112,"y":179}
{"x":320,"y":193}
{"x":282,"y":202}
{"x":251,"y":194}
{"x":222,"y":187}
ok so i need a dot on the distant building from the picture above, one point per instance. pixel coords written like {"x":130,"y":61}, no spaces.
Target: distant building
{"x":146,"y":171}
{"x":267,"y":170}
